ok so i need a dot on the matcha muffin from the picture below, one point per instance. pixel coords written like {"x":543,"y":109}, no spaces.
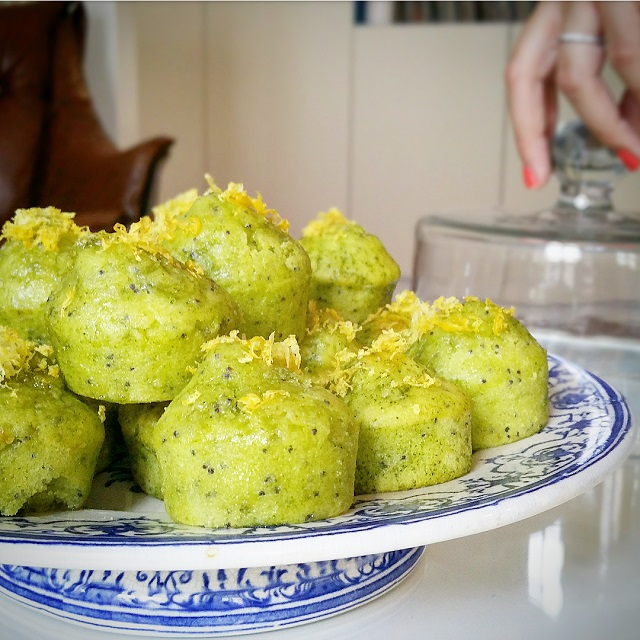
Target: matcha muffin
{"x":127,"y":321}
{"x":137,"y":422}
{"x":49,"y":439}
{"x":327,"y":336}
{"x":415,"y":428}
{"x":351,"y":270}
{"x":245,"y":248}
{"x":251,"y":442}
{"x":39,"y":248}
{"x":489,"y":354}
{"x":406,"y":315}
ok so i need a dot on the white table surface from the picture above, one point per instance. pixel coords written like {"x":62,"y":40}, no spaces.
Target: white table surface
{"x":570,"y":573}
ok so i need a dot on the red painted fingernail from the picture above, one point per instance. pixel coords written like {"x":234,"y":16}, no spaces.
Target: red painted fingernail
{"x":628,"y":159}
{"x":529,"y":178}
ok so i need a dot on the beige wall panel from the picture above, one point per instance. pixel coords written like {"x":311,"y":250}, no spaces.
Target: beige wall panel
{"x":171,"y":102}
{"x":428,"y":119}
{"x":277,"y":88}
{"x":519,"y":199}
{"x":100,"y":63}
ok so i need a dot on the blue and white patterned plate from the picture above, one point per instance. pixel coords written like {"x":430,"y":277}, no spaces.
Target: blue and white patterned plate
{"x":122,"y":563}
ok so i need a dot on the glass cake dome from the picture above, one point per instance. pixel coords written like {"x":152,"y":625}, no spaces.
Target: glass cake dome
{"x":573,"y":268}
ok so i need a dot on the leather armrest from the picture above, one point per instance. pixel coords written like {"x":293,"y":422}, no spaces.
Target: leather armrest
{"x":83,"y":171}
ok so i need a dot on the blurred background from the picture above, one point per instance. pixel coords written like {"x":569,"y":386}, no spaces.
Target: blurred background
{"x":386,"y":110}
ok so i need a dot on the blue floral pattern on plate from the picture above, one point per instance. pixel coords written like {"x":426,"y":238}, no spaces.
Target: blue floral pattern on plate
{"x":195,"y":603}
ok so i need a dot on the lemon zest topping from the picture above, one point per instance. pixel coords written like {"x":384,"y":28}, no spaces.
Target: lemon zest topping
{"x":142,"y":238}
{"x":169,"y":216}
{"x":236,"y":194}
{"x":385,"y":348}
{"x":42,"y":227}
{"x":450,"y":315}
{"x":252,"y":402}
{"x":284,"y":354}
{"x":407,"y":314}
{"x":15,"y":353}
{"x":413,"y":318}
{"x":331,"y":221}
{"x":328,"y":319}
{"x":173,"y":214}
{"x":390,"y":342}
{"x":18,"y":355}
{"x":68,"y":299}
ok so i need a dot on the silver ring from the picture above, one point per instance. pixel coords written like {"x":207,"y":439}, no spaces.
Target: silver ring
{"x":580,"y":38}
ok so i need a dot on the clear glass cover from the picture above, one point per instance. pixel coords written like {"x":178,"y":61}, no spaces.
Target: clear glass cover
{"x":573,"y":268}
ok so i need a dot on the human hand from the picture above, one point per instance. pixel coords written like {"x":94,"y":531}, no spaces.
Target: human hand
{"x":541,"y":66}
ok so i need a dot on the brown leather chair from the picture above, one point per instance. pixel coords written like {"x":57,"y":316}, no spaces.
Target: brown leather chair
{"x":53,"y":149}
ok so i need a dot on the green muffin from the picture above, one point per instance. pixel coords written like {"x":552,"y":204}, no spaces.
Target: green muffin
{"x":489,"y":354}
{"x":138,"y":422}
{"x":415,"y":428}
{"x":327,"y":336}
{"x":251,"y":442}
{"x":352,"y":272}
{"x":49,"y":439}
{"x":128,"y":321}
{"x":407,"y":315}
{"x":246,"y":249}
{"x":39,"y":248}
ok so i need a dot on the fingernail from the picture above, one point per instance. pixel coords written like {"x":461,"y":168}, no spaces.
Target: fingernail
{"x":629,"y":160}
{"x":529,"y":178}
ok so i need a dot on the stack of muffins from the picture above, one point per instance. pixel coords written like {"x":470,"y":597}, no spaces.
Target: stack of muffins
{"x":255,"y":379}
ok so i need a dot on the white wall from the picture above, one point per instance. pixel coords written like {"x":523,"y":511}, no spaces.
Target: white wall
{"x":427,"y":128}
{"x":112,"y":68}
{"x":278,"y":78}
{"x":388,"y":123}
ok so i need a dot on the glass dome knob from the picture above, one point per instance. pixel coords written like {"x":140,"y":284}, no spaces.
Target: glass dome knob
{"x":586,"y":170}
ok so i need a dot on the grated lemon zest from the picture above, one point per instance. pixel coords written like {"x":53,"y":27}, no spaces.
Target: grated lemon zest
{"x":407,"y":314}
{"x":328,"y":319}
{"x":173,"y":214}
{"x":284,"y":354}
{"x":331,"y":221}
{"x":42,"y":227}
{"x":450,"y":315}
{"x":236,"y":194}
{"x":18,"y":355}
{"x":386,"y":347}
{"x":68,"y":299}
{"x":15,"y":353}
{"x":252,"y":402}
{"x":169,"y":216}
{"x":142,"y":238}
{"x":413,"y":318}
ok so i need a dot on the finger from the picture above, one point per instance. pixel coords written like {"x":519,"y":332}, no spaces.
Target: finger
{"x":621,"y":22}
{"x":579,"y":78}
{"x":629,"y":108}
{"x":530,"y":94}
